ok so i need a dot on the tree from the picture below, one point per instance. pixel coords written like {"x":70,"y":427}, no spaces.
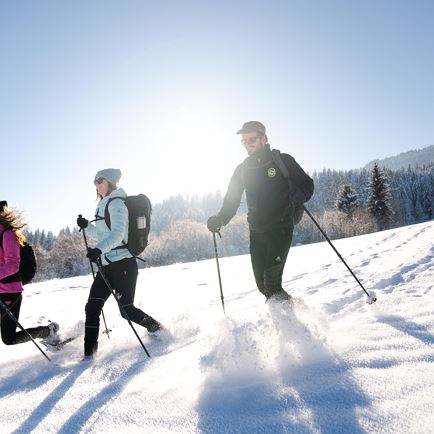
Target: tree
{"x":49,"y":241}
{"x":379,"y":202}
{"x":347,"y":201}
{"x":68,"y":255}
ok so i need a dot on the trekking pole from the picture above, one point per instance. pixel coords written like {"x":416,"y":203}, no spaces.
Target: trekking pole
{"x":93,"y":274}
{"x":218,"y":271}
{"x":370,"y":299}
{"x":4,"y":307}
{"x":121,"y":308}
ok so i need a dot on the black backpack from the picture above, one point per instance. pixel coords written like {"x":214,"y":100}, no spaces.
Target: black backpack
{"x":139,"y":222}
{"x":298,"y":207}
{"x":28,"y":266}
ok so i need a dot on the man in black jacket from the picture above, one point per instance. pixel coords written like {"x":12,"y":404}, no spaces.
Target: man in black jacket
{"x":272,"y":199}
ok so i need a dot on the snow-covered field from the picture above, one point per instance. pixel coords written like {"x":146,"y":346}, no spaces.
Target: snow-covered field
{"x":335,"y":365}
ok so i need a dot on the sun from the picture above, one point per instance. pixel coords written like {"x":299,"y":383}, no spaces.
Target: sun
{"x":194,"y":152}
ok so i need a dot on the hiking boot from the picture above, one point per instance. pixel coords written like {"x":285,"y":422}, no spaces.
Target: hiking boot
{"x":90,"y":349}
{"x":279,"y":296}
{"x":151,"y":324}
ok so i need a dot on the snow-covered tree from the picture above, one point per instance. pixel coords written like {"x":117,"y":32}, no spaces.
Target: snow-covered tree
{"x":347,"y":201}
{"x":379,"y":202}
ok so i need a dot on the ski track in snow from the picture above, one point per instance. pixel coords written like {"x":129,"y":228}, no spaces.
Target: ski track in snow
{"x":333,"y":364}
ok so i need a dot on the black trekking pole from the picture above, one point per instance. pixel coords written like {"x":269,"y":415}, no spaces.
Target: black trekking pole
{"x":370,"y":299}
{"x":12,"y":316}
{"x":218,"y":271}
{"x":121,"y":308}
{"x":107,"y":331}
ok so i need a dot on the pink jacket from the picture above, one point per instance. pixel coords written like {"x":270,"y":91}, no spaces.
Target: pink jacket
{"x":9,"y":261}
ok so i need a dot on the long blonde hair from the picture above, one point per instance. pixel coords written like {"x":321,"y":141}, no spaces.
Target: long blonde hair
{"x":12,"y":219}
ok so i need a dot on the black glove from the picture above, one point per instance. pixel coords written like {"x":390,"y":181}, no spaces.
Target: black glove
{"x":214,"y":224}
{"x":82,"y":223}
{"x":93,"y":254}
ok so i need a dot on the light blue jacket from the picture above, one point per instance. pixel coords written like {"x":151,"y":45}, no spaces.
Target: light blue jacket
{"x":109,"y":239}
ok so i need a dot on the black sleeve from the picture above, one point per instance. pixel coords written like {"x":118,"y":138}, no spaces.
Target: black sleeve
{"x":302,"y":182}
{"x":233,"y":196}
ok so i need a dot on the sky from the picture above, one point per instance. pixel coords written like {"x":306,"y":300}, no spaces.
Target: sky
{"x":158,"y":89}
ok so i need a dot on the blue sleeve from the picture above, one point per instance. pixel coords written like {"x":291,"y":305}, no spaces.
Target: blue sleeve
{"x":119,"y":226}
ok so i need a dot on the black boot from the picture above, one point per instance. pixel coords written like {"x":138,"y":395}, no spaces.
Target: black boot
{"x":151,"y":324}
{"x":90,"y":348}
{"x":279,"y":296}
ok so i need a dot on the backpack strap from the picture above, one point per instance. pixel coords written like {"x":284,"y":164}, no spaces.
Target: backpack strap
{"x":298,"y":208}
{"x":275,"y":153}
{"x":277,"y":158}
{"x":107,"y":213}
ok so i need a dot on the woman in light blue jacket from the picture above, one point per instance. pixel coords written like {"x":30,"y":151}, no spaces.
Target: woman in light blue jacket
{"x":119,"y":266}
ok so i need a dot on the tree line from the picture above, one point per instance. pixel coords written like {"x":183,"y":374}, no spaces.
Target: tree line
{"x":345,"y":203}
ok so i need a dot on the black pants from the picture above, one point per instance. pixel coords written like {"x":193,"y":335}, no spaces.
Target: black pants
{"x":10,"y":336}
{"x":268,"y":253}
{"x":122,"y":276}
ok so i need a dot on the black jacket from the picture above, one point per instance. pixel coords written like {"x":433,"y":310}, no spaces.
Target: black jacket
{"x":269,"y":201}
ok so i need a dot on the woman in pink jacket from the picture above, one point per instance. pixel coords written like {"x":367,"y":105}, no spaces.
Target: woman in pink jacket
{"x":11,"y":287}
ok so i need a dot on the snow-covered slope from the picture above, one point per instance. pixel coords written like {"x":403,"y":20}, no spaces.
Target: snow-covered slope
{"x":335,"y":365}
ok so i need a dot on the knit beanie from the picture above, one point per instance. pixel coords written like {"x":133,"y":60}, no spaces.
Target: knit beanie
{"x":112,"y":175}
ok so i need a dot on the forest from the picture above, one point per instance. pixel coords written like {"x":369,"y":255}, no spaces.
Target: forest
{"x":345,"y":204}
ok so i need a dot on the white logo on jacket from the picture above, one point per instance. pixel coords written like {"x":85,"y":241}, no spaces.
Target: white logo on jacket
{"x":271,"y":172}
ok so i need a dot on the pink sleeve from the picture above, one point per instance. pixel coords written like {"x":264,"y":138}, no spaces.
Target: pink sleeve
{"x":11,"y":255}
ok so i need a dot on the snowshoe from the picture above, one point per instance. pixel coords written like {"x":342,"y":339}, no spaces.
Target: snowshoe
{"x":59,"y":344}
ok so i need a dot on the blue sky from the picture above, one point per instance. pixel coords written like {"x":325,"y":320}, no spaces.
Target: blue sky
{"x":158,"y":89}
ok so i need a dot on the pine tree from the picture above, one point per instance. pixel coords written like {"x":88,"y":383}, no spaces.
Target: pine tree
{"x":42,"y":239}
{"x":49,"y":241}
{"x":379,"y":202}
{"x":347,"y":201}
{"x":36,"y":237}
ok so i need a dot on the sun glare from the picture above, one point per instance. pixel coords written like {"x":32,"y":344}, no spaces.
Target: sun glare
{"x":195,"y":147}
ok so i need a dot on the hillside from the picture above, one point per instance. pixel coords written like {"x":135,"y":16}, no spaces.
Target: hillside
{"x":334,"y":365}
{"x":403,"y":160}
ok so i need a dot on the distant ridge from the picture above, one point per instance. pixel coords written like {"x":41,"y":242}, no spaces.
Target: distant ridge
{"x":413,"y":158}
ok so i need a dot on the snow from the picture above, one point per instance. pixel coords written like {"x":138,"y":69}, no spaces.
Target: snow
{"x":332,"y":365}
